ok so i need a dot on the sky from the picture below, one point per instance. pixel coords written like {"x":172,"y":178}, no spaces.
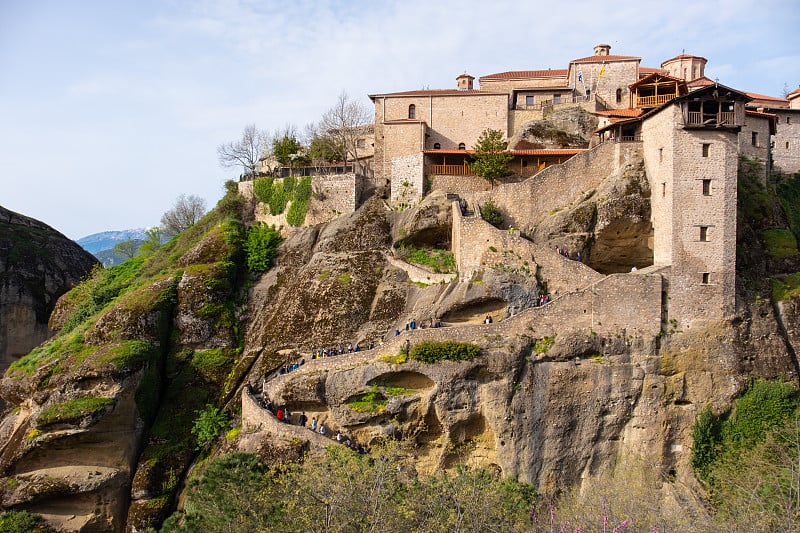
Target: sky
{"x":109,"y":110}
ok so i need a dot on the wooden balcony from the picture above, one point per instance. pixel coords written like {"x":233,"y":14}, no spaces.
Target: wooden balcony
{"x":452,"y":170}
{"x":723,"y":118}
{"x":653,"y":101}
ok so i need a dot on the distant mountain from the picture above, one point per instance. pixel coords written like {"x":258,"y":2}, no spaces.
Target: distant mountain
{"x":98,"y":242}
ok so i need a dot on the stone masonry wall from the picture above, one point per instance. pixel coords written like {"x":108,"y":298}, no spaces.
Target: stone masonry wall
{"x":786,"y":154}
{"x":525,"y":204}
{"x":694,"y":229}
{"x":407,"y":179}
{"x":758,"y":148}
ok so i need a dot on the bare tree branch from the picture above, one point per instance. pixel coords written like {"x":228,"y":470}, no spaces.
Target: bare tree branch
{"x":186,"y":211}
{"x":246,"y":152}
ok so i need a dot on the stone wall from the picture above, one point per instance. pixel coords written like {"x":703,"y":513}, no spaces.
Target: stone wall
{"x":694,"y":198}
{"x":786,"y":154}
{"x":407,"y":180}
{"x":754,"y":141}
{"x":459,"y":184}
{"x":525,"y":204}
{"x":616,"y":75}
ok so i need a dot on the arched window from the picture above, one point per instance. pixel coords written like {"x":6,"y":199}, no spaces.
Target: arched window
{"x":462,"y":146}
{"x":619,"y":95}
{"x":436,"y":146}
{"x":412,"y":111}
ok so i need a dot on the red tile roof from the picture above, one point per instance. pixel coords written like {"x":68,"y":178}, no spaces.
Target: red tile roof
{"x":793,"y":94}
{"x":683,"y":56}
{"x":512,"y":74}
{"x":541,"y":151}
{"x":755,"y":113}
{"x":700,"y":82}
{"x":626,"y":113}
{"x":646,"y":71}
{"x":765,"y":98}
{"x":600,"y":59}
{"x":441,"y":92}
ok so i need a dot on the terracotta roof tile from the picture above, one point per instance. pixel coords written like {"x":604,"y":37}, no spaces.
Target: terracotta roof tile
{"x":511,"y":74}
{"x":793,"y":94}
{"x":600,"y":59}
{"x":440,"y":92}
{"x":646,"y":71}
{"x":764,"y":97}
{"x":684,"y":56}
{"x":754,"y":113}
{"x":623,"y":113}
{"x":700,"y":82}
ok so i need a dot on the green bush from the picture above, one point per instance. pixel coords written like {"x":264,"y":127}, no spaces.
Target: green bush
{"x":491,"y":213}
{"x":705,"y":438}
{"x":301,"y":199}
{"x":208,"y":425}
{"x":765,"y":406}
{"x":788,"y":287}
{"x":433,"y":351}
{"x":371,"y":402}
{"x":543,"y":345}
{"x":261,"y":246}
{"x":788,"y":191}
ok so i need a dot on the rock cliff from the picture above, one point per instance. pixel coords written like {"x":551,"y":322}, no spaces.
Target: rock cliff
{"x":100,"y":437}
{"x":37,"y":266}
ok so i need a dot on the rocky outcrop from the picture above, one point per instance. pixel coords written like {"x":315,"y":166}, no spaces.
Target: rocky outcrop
{"x":568,"y":127}
{"x":37,"y":266}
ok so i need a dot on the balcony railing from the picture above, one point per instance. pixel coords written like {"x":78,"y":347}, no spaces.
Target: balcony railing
{"x":652,"y":101}
{"x":452,"y":170}
{"x":723,"y":118}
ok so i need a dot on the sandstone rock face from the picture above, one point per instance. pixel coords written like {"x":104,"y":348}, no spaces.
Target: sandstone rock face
{"x":37,"y":266}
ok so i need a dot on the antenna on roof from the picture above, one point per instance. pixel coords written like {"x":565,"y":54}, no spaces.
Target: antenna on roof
{"x":683,"y":51}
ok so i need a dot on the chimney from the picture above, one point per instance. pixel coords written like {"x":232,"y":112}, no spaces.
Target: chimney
{"x":602,"y":49}
{"x":465,"y":82}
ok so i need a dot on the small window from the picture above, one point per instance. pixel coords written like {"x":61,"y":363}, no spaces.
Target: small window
{"x":754,"y":138}
{"x":706,"y":187}
{"x":556,"y":98}
{"x":788,"y":120}
{"x":361,"y":143}
{"x":436,"y":146}
{"x":619,"y":96}
{"x":529,"y":100}
{"x":412,"y":111}
{"x":787,"y":145}
{"x":660,"y":155}
{"x":706,"y":278}
{"x":703,"y":233}
{"x":663,"y":189}
{"x":462,"y":146}
{"x":706,"y":149}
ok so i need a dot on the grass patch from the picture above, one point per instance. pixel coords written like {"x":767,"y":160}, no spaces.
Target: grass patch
{"x":344,"y":278}
{"x":398,"y":391}
{"x":128,"y":355}
{"x":432,"y":351}
{"x":214,"y":358}
{"x":61,"y":347}
{"x":371,"y":402}
{"x":785,"y":288}
{"x":440,"y":261}
{"x":72,"y":410}
{"x":780,"y":242}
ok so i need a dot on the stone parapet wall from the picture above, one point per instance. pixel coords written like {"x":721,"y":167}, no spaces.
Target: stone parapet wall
{"x":420,"y":275}
{"x":458,"y":184}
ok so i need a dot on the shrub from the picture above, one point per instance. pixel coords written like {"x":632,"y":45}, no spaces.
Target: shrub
{"x":23,"y":522}
{"x":543,"y":345}
{"x":788,"y":287}
{"x":705,"y":437}
{"x":491,"y":213}
{"x":433,"y":351}
{"x":371,"y":402}
{"x":440,"y":261}
{"x":209,"y":423}
{"x":262,"y":247}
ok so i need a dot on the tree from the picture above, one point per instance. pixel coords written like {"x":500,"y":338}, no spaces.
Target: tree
{"x":126,"y":248}
{"x":209,"y":423}
{"x":152,"y":242}
{"x":287,"y":149}
{"x":343,"y":125}
{"x":491,"y":159}
{"x":186,"y":211}
{"x":246,"y":152}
